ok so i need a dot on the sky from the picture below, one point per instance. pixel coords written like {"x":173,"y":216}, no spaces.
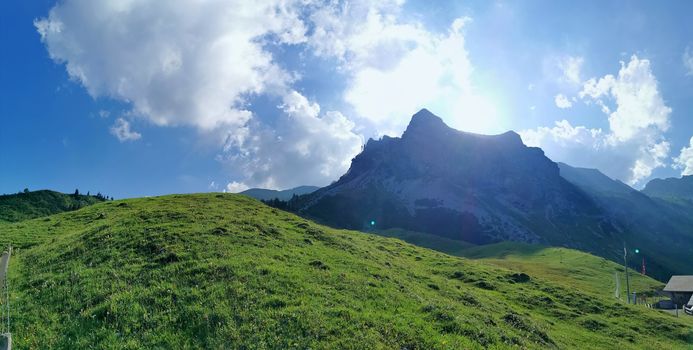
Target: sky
{"x":140,"y":97}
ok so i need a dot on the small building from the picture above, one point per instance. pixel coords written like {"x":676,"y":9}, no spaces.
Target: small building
{"x":680,"y":288}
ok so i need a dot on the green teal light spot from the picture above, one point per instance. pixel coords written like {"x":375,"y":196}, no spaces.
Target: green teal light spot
{"x":372,"y":222}
{"x":637,"y":251}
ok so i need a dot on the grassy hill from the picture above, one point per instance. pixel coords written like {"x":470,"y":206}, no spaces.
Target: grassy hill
{"x":225,"y":271}
{"x":573,"y":268}
{"x":29,"y":205}
{"x":427,"y":240}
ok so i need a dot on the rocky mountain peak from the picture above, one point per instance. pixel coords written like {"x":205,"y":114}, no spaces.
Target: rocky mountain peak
{"x":425,"y":123}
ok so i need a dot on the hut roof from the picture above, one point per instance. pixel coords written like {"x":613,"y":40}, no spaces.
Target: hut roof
{"x":679,"y":284}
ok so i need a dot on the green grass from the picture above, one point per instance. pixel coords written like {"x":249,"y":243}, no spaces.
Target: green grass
{"x":30,"y":205}
{"x":427,"y":240}
{"x":570,"y":267}
{"x":225,"y":271}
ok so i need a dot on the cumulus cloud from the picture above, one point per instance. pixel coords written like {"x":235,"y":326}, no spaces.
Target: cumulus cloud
{"x":198,"y":65}
{"x":688,"y":61}
{"x":121,"y":130}
{"x":635,"y":143}
{"x":176,"y":63}
{"x":685,"y":159}
{"x":235,"y":187}
{"x":305,"y":147}
{"x":562,"y":101}
{"x":397,"y":67}
{"x":639,"y":105}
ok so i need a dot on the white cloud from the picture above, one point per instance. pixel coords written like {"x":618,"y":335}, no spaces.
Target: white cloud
{"x":305,"y":147}
{"x":235,"y":187}
{"x":685,"y":159}
{"x":200,"y":64}
{"x":197,"y":64}
{"x":570,"y":66}
{"x":635,"y":143}
{"x":562,"y":101}
{"x":121,"y":130}
{"x":688,"y":61}
{"x":175,"y":62}
{"x":398,"y":67}
{"x":639,"y":105}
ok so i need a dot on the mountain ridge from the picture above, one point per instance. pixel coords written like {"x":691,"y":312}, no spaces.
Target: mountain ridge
{"x":475,"y":188}
{"x":283,"y":195}
{"x":671,"y":188}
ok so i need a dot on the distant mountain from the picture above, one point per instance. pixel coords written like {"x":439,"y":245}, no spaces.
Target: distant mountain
{"x":29,"y":205}
{"x":491,"y":188}
{"x":671,"y":188}
{"x":285,"y":195}
{"x":464,"y":186}
{"x":662,"y":230}
{"x":594,"y":180}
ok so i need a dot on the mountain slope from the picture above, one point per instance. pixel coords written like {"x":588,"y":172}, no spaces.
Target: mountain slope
{"x":475,"y":188}
{"x":225,"y":271}
{"x":283,"y":195}
{"x":579,"y":270}
{"x":29,"y":205}
{"x":671,"y":188}
{"x":661,"y":229}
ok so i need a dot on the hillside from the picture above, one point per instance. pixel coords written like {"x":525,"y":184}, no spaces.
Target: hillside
{"x":225,"y":271}
{"x":649,"y":223}
{"x":29,"y":205}
{"x":283,"y":195}
{"x":426,"y":240}
{"x":579,"y":270}
{"x":671,"y":188}
{"x":485,"y":189}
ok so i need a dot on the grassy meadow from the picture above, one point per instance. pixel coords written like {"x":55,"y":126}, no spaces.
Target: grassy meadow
{"x":225,"y":271}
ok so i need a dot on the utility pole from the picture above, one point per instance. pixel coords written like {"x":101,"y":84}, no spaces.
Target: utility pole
{"x":625,"y":268}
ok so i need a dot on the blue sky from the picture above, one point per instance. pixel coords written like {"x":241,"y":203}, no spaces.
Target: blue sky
{"x":141,"y":98}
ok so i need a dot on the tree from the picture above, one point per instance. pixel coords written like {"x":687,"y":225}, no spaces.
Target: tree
{"x":76,"y":192}
{"x":88,"y":193}
{"x":26,"y":190}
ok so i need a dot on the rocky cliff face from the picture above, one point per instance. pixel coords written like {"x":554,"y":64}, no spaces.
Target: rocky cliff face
{"x":476,"y":188}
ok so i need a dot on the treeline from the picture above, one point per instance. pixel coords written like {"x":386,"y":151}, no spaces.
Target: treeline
{"x":98,"y":196}
{"x":292,"y":205}
{"x":76,"y":195}
{"x":32,"y":204}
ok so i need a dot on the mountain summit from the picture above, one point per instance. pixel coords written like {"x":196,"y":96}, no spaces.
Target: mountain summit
{"x":481,"y":189}
{"x":460,"y":185}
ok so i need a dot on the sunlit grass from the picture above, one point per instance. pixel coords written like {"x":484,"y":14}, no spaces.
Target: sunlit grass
{"x":225,"y":271}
